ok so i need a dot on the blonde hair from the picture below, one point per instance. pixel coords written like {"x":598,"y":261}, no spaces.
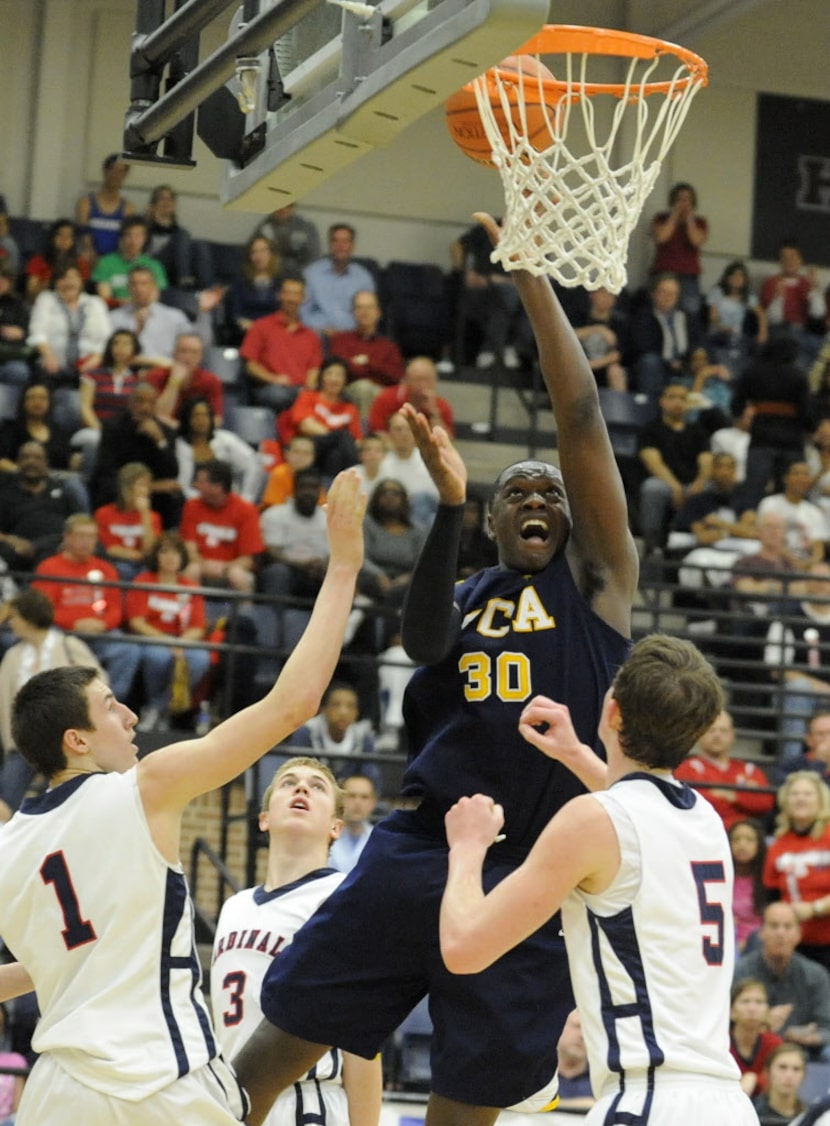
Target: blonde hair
{"x":312,"y":764}
{"x":783,"y":824}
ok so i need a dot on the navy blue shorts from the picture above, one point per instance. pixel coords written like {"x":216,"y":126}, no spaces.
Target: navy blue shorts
{"x":371,"y":952}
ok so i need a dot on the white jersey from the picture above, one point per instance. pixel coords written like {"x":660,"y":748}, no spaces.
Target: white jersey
{"x":652,"y":957}
{"x":104,"y":926}
{"x":254,"y":926}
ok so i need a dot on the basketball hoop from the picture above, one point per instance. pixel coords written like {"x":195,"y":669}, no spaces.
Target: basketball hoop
{"x":571,"y":206}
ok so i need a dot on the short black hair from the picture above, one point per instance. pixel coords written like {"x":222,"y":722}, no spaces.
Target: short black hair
{"x":218,"y":473}
{"x":45,"y":707}
{"x":34,"y":607}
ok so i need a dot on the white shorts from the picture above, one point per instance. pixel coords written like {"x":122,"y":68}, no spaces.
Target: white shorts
{"x":312,"y":1103}
{"x":210,"y":1096}
{"x":694,"y":1101}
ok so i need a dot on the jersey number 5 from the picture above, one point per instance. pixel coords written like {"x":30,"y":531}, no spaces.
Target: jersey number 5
{"x":76,"y":931}
{"x":711,"y":913}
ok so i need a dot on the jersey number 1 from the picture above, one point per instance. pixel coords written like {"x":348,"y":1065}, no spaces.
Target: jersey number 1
{"x":77,"y":930}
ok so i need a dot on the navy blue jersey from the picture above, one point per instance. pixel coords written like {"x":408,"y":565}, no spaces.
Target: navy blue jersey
{"x":520,"y":636}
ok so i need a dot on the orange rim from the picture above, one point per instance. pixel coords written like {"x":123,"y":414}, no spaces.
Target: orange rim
{"x":564,"y":39}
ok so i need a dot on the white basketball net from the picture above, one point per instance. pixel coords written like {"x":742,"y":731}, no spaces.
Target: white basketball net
{"x":570,"y":214}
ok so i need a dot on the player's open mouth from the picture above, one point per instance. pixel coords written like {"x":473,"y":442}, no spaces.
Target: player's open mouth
{"x":534,"y":530}
{"x":300,"y":803}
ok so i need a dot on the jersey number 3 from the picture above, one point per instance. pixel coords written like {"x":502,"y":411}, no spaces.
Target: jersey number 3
{"x":76,"y":931}
{"x":711,"y":913}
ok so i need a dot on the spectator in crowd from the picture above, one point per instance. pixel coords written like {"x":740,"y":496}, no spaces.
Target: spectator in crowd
{"x":710,"y":384}
{"x":798,"y":655}
{"x":679,"y":233}
{"x":331,"y":421}
{"x":40,"y":645}
{"x":371,"y":451}
{"x":199,"y":440}
{"x":603,"y":332}
{"x":84,"y":603}
{"x":359,"y":800}
{"x":112,"y":271}
{"x":295,"y":238}
{"x":419,"y":387}
{"x":129,"y":528}
{"x":715,"y":514}
{"x":101,"y":212}
{"x":736,"y":321}
{"x":168,"y":615}
{"x":781,"y":416}
{"x":748,"y":844}
{"x":794,"y":302}
{"x":9,"y":250}
{"x":676,"y":457}
{"x":574,"y":1079}
{"x":393,"y":542}
{"x":819,"y":379}
{"x":373,"y":361}
{"x":297,"y":550}
{"x":751,"y":1042}
{"x":762,"y":573}
{"x":281,"y":352}
{"x":68,"y":329}
{"x":817,"y":755}
{"x":332,"y":282}
{"x":735,"y":781}
{"x":104,"y":392}
{"x":184,"y":380}
{"x":796,"y":869}
{"x":818,"y":459}
{"x":221,"y":531}
{"x":798,"y":988}
{"x":403,"y":463}
{"x":15,"y":351}
{"x":806,"y":524}
{"x":489,"y":297}
{"x":184,"y":261}
{"x":786,"y":1068}
{"x":734,"y":439}
{"x":60,"y":249}
{"x":338,"y":731}
{"x":255,"y":292}
{"x":477,"y":550}
{"x":34,"y":423}
{"x":34,"y":507}
{"x":279,"y":487}
{"x":662,"y":337}
{"x":12,"y":1075}
{"x":136,"y":434}
{"x":157,"y":326}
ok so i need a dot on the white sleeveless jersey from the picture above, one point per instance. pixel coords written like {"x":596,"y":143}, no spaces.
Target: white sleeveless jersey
{"x":254,"y":926}
{"x":104,"y":926}
{"x":652,"y":957}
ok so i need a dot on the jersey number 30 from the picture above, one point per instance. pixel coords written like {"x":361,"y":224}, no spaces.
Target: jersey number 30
{"x":711,"y":913}
{"x":508,"y":675}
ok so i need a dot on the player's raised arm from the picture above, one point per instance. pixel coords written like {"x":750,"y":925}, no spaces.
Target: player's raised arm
{"x":559,"y":741}
{"x":578,"y":847}
{"x":171,"y":777}
{"x":602,"y":548}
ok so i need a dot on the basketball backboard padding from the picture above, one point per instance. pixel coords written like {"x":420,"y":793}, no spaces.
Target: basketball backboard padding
{"x":412,"y":73}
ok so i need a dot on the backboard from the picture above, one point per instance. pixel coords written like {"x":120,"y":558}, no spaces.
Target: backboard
{"x":358,"y":75}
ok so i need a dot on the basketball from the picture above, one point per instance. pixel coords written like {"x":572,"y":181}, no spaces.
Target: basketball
{"x":465,"y":124}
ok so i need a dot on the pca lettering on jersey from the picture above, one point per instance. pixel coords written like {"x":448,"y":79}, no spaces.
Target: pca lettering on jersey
{"x":261,"y":941}
{"x":501,"y":615}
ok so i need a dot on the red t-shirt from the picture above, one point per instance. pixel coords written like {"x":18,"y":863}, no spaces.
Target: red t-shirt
{"x":164,"y":610}
{"x":117,"y":528}
{"x":38,"y":267}
{"x":798,"y":868}
{"x":390,"y":401}
{"x":73,"y":601}
{"x":384,"y":362}
{"x":764,"y":1046}
{"x":292,"y":352}
{"x":222,"y":533}
{"x":203,"y":385}
{"x":677,"y":255}
{"x":740,"y":804}
{"x":311,"y":404}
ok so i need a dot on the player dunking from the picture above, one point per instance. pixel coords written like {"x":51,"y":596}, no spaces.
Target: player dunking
{"x":553,"y":617}
{"x":302,"y":813}
{"x":643,"y":875}
{"x":93,"y":900}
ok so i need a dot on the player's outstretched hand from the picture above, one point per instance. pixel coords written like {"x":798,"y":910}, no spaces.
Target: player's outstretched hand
{"x":474,"y":821}
{"x":345,"y":509}
{"x":444,"y":462}
{"x":559,"y":741}
{"x":490,"y":225}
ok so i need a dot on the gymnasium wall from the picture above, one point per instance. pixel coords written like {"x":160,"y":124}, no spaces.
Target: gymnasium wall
{"x":65,"y":69}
